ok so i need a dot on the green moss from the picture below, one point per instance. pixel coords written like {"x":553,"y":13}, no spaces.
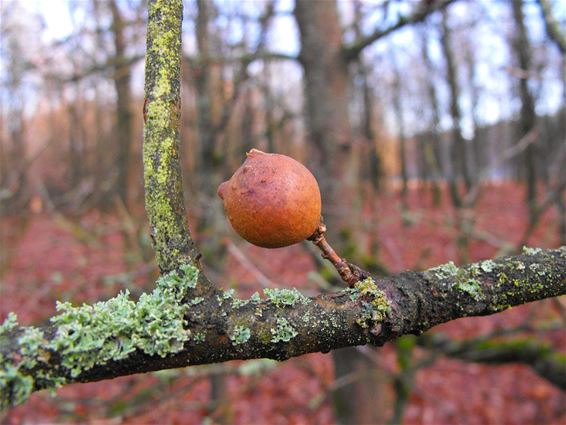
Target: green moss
{"x":111,"y":330}
{"x":285,"y":297}
{"x":284,"y":332}
{"x":255,"y":298}
{"x":240,"y":335}
{"x":161,"y":138}
{"x":537,"y":269}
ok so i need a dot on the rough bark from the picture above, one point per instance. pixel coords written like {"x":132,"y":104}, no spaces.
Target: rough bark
{"x":283,"y":325}
{"x":185,"y":321}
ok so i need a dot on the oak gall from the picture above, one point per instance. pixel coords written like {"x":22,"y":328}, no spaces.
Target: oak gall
{"x":272,"y":200}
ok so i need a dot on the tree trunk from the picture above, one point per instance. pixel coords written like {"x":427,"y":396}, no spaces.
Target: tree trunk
{"x":326,"y":83}
{"x":122,"y":77}
{"x":458,"y":147}
{"x":398,"y":108}
{"x":522,"y":52}
{"x":433,"y":148}
{"x":326,"y":98}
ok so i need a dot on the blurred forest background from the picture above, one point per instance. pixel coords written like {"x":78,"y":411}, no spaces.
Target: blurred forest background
{"x":435,"y":136}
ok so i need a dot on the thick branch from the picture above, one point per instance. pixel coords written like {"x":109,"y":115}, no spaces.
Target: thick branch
{"x":162,"y":330}
{"x":422,"y":10}
{"x":162,"y":111}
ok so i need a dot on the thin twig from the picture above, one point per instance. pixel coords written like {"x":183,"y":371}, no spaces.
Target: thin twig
{"x":348,"y":272}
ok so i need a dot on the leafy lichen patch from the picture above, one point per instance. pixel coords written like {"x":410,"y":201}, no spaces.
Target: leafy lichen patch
{"x":531,"y":251}
{"x":9,"y":323}
{"x":91,"y":335}
{"x":375,"y":304}
{"x":472,"y":287}
{"x":285,"y":297}
{"x":284,"y":332}
{"x":444,"y":271}
{"x":240,"y":335}
{"x":488,"y":266}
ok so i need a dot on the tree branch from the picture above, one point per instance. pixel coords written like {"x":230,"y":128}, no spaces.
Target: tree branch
{"x":174,"y":327}
{"x":422,"y":10}
{"x":162,"y":111}
{"x":548,"y":363}
{"x":553,"y":26}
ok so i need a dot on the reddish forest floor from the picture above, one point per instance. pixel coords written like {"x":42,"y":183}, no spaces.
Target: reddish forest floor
{"x":48,"y":258}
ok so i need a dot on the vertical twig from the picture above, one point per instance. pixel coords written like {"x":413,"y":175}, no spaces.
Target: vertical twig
{"x":162,"y":108}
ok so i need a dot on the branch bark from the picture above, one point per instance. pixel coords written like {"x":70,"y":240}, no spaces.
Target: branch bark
{"x":162,"y":111}
{"x":186,"y":321}
{"x":141,"y":337}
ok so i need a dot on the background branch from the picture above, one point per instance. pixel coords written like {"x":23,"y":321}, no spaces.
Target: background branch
{"x":422,"y":10}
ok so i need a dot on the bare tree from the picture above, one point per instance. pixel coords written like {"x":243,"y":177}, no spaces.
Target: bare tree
{"x":522,"y":51}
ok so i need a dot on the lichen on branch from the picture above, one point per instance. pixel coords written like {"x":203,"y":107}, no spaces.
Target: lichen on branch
{"x":83,"y":337}
{"x":162,"y":110}
{"x":173,"y":327}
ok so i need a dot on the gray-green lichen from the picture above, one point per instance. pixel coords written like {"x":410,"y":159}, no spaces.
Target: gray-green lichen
{"x":531,"y":251}
{"x":375,"y":303}
{"x":488,"y":266}
{"x":285,"y":297}
{"x":92,"y":335}
{"x":283,"y":332}
{"x":199,"y":337}
{"x":10,"y":323}
{"x":472,"y":287}
{"x":237,"y":303}
{"x":240,"y":335}
{"x":444,"y":271}
{"x":196,"y":300}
